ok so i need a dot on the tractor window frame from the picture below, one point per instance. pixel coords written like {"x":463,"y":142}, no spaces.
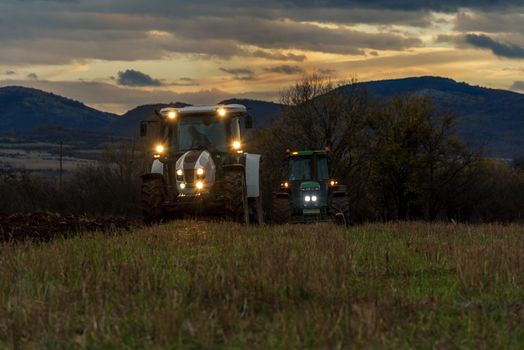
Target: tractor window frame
{"x":301,"y":159}
{"x":174,"y":136}
{"x":327,"y":172}
{"x":234,"y":128}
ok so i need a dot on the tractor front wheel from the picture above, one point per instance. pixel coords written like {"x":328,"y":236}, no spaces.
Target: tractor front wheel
{"x":281,"y":210}
{"x":153,"y":194}
{"x":235,"y":196}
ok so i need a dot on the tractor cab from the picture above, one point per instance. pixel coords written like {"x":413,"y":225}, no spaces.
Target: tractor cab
{"x":214,"y":128}
{"x":308,"y":191}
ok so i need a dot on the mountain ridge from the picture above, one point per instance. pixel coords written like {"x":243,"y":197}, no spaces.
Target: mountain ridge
{"x":486,"y":116}
{"x":25,"y":109}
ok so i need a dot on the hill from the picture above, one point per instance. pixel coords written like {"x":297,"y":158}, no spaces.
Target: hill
{"x":261,"y":111}
{"x":26,"y":111}
{"x":486,"y":117}
{"x":128,"y":123}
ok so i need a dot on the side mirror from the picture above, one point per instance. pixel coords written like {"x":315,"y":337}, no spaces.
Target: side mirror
{"x":143,"y":129}
{"x":248,"y":122}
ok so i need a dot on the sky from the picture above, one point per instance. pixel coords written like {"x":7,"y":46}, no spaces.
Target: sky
{"x":116,"y":54}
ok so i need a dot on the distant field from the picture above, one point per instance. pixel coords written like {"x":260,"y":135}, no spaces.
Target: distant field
{"x":220,"y":285}
{"x":24,"y":154}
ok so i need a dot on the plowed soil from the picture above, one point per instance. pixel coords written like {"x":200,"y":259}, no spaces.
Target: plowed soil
{"x":45,"y":226}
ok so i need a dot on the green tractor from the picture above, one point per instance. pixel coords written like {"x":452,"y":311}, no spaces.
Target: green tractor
{"x":199,"y":166}
{"x":309,"y":193}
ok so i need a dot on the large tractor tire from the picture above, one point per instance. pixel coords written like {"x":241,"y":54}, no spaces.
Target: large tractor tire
{"x":339,"y":209}
{"x":235,"y":196}
{"x":281,"y":210}
{"x":153,"y":195}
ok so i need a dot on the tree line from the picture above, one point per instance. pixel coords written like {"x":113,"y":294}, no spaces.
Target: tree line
{"x":401,"y":160}
{"x":108,"y":187}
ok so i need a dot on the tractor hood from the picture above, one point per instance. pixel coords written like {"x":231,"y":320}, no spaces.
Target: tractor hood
{"x":192,"y":168}
{"x":309,"y":185}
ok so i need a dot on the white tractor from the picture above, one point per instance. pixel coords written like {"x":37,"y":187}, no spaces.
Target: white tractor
{"x":200,"y":166}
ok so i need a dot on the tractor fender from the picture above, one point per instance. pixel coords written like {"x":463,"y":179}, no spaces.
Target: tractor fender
{"x":253,"y":175}
{"x":157,"y":167}
{"x":339,"y":191}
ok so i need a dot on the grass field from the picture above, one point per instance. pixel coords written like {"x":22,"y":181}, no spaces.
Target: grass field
{"x":219,"y":285}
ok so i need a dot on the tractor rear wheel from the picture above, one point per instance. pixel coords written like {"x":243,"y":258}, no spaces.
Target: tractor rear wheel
{"x":281,"y":210}
{"x":153,"y":194}
{"x":339,"y":209}
{"x":235,"y":196}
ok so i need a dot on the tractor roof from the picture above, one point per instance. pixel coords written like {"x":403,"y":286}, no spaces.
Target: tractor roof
{"x":308,"y":153}
{"x":233,"y":108}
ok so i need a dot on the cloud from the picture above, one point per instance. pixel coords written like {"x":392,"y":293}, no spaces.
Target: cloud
{"x":240,"y":73}
{"x":284,"y":69}
{"x":518,"y":85}
{"x":287,"y":34}
{"x":414,"y":5}
{"x":490,"y":22}
{"x":70,"y":31}
{"x":498,"y":48}
{"x":131,"y":77}
{"x":32,"y":76}
{"x":277,"y":56}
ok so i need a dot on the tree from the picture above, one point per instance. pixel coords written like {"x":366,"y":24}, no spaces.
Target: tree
{"x":418,"y":159}
{"x":319,"y":113}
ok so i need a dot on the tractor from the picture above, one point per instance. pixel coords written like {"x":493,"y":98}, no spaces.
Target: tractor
{"x":199,"y":166}
{"x":310,"y":193}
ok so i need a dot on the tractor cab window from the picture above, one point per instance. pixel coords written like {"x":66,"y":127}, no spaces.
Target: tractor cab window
{"x":300,"y":169}
{"x":235,"y":128}
{"x":202,"y":132}
{"x":322,"y":168}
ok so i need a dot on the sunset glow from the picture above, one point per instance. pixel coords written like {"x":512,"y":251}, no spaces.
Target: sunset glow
{"x":116,"y":54}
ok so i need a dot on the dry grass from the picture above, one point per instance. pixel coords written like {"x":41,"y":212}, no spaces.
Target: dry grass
{"x":220,"y":285}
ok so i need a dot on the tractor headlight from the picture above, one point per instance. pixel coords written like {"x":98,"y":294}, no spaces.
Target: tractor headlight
{"x":179,"y":172}
{"x":314,"y":198}
{"x":172,"y":115}
{"x":332,"y":183}
{"x":222,"y":112}
{"x":182,"y":185}
{"x":284,"y":184}
{"x":236,"y":145}
{"x":159,"y":150}
{"x":200,"y":172}
{"x":307,"y":198}
{"x":199,"y":185}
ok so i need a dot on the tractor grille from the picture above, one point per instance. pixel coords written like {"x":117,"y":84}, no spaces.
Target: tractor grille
{"x":189,"y":175}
